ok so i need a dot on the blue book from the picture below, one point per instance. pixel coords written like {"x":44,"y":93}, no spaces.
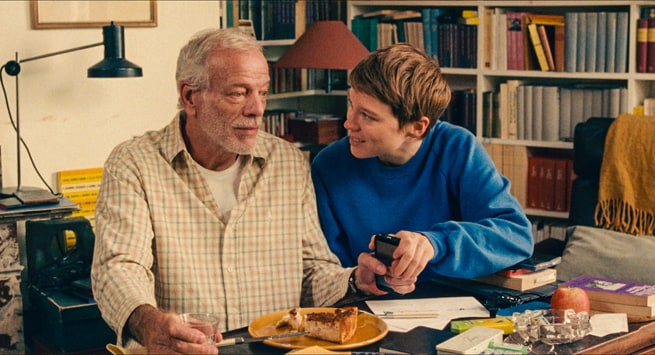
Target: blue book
{"x":610,"y":52}
{"x":570,"y":41}
{"x":427,"y":32}
{"x":591,"y":41}
{"x":581,"y":54}
{"x":601,"y":46}
{"x":621,"y":43}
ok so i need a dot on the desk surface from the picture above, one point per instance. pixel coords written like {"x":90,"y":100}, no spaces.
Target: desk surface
{"x":640,"y":336}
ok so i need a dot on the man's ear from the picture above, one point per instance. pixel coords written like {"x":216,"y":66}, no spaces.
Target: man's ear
{"x":417,"y":129}
{"x":186,"y":94}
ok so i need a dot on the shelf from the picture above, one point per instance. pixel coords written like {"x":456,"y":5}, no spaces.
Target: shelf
{"x":306,"y":93}
{"x":548,"y":214}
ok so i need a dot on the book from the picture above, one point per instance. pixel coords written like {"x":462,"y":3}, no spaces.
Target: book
{"x":551,"y":113}
{"x":570,"y":41}
{"x":621,"y":56}
{"x":537,"y":46}
{"x":591,"y":42}
{"x":650,"y":47}
{"x":517,"y":39}
{"x":642,"y":45}
{"x":601,"y":41}
{"x":534,"y":181}
{"x":646,"y":311}
{"x":581,"y":51}
{"x":545,"y":43}
{"x":614,"y":291}
{"x":610,"y":55}
{"x":521,"y":282}
{"x":561,"y":185}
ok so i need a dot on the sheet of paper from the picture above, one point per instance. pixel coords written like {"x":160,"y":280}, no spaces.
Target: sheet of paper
{"x":608,"y":323}
{"x":444,"y":308}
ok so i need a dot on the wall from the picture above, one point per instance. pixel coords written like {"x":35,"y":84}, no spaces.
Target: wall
{"x":70,"y":121}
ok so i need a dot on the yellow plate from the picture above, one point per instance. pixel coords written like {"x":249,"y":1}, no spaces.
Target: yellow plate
{"x":369,"y":330}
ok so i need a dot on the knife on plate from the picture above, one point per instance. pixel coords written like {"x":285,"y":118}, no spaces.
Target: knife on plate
{"x":242,"y":340}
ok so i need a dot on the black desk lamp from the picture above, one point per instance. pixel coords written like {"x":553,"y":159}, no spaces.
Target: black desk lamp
{"x":114,"y":65}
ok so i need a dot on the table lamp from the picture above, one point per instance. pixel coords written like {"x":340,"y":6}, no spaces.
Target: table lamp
{"x":114,"y":65}
{"x":324,"y":45}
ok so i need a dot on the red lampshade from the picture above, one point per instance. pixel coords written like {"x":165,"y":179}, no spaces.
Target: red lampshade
{"x":325,"y":45}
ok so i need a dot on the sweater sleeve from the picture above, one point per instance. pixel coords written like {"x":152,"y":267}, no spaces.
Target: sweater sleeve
{"x":490,"y":231}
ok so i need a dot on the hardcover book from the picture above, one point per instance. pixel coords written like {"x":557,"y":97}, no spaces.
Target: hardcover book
{"x":609,"y":307}
{"x":521,"y":282}
{"x":614,"y":291}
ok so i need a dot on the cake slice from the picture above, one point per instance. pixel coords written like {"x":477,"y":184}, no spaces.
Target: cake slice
{"x":337,"y":326}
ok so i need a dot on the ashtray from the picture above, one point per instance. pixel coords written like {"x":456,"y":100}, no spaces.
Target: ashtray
{"x":551,"y":326}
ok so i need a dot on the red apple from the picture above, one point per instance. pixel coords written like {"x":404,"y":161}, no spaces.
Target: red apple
{"x":570,"y":298}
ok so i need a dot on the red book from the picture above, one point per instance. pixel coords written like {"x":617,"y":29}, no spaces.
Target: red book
{"x":534,"y":181}
{"x":642,"y":45}
{"x":548,"y":181}
{"x":650,"y":60}
{"x":561,"y":185}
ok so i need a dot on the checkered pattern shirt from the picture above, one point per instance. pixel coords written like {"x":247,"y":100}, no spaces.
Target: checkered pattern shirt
{"x":160,"y":240}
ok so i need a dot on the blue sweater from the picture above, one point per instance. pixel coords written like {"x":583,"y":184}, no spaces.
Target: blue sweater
{"x":450,"y":191}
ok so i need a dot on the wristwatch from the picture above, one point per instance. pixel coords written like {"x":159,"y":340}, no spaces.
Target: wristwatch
{"x":352,"y":283}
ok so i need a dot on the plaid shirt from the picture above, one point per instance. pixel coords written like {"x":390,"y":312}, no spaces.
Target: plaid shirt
{"x":160,"y":239}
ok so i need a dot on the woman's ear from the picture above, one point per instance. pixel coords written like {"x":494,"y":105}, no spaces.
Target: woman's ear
{"x":417,"y":129}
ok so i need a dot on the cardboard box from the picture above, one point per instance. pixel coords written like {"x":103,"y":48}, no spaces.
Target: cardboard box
{"x":316,"y":128}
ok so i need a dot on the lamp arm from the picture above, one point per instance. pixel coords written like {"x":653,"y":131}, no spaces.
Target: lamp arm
{"x":12,"y":67}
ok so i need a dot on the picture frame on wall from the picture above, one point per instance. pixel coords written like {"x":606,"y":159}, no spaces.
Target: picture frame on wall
{"x":49,"y":14}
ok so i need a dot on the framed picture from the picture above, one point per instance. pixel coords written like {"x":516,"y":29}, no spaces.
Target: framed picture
{"x":92,"y":13}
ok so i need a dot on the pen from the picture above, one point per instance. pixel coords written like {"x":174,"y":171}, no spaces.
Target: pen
{"x":407,"y":314}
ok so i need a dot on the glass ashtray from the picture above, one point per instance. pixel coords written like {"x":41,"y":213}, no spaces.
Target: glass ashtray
{"x":552,"y":326}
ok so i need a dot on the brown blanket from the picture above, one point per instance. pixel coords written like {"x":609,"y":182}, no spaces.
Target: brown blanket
{"x":626,"y":195}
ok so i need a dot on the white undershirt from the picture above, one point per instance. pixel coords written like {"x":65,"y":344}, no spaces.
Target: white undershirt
{"x":224,"y":185}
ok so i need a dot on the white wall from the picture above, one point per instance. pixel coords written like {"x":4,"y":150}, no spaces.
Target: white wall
{"x":70,"y":121}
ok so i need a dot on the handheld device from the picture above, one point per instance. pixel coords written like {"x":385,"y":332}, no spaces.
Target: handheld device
{"x":385,"y":244}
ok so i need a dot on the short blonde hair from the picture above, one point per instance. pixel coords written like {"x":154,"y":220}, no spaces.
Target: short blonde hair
{"x":407,"y":79}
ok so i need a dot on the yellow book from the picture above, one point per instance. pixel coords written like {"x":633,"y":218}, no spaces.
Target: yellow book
{"x":538,"y":47}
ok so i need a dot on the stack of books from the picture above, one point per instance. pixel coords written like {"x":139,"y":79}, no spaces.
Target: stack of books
{"x":617,"y":296}
{"x":527,"y":275}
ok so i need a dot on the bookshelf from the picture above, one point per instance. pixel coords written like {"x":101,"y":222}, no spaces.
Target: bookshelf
{"x":490,"y":73}
{"x":277,"y":24}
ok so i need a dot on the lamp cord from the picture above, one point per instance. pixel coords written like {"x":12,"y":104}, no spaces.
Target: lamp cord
{"x":13,"y":124}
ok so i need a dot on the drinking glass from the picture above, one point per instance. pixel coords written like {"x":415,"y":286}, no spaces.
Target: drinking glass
{"x":204,"y":322}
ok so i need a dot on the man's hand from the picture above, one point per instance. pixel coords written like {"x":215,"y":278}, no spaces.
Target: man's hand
{"x":165,"y":333}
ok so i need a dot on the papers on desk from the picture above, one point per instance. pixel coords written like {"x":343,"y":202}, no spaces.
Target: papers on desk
{"x":402,"y":315}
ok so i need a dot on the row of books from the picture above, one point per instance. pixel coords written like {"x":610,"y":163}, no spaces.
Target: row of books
{"x":276,"y":121}
{"x":544,"y":229}
{"x":283,"y":19}
{"x":285,"y":80}
{"x":549,"y":183}
{"x":646,"y":41}
{"x":462,"y":109}
{"x":616,"y":296}
{"x":572,"y":41}
{"x":448,"y":36}
{"x":546,"y":113}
